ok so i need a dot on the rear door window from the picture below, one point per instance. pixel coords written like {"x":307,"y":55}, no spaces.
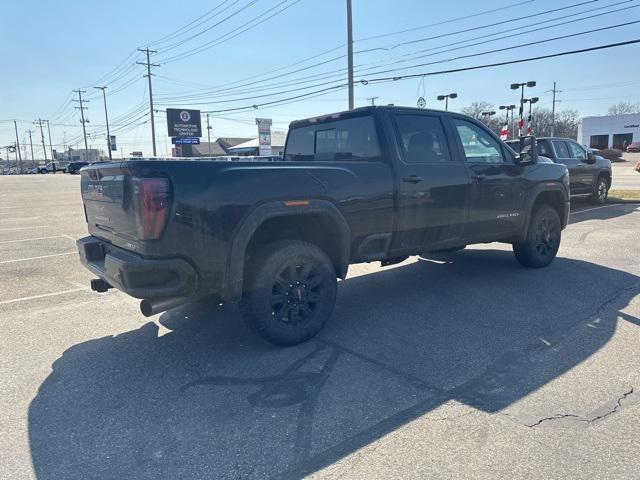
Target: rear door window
{"x":348,"y":139}
{"x":423,"y":139}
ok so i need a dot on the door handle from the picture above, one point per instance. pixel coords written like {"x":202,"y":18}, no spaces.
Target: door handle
{"x":478,"y":177}
{"x":412,"y":179}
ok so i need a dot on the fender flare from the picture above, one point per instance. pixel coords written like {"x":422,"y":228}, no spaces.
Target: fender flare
{"x":533,"y":196}
{"x":266,"y":211}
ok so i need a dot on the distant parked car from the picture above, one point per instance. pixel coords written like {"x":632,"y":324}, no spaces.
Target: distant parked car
{"x":31,"y":170}
{"x":74,"y":167}
{"x":633,"y":147}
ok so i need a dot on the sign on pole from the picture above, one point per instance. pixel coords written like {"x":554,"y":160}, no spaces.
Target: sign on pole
{"x":112,"y":143}
{"x":183,"y":123}
{"x":264,"y":136}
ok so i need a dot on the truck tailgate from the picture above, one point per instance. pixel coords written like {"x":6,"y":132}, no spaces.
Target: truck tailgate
{"x":106,"y":193}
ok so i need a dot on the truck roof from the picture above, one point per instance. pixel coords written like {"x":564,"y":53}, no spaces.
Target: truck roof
{"x":357,"y":112}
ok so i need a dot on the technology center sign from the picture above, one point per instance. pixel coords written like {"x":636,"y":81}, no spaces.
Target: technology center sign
{"x":184,"y":123}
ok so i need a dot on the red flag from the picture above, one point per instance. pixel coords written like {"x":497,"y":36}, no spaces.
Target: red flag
{"x":504,"y":133}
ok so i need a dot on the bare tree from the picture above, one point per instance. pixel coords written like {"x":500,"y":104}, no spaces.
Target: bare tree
{"x":475,"y":110}
{"x":566,"y":120}
{"x":624,"y":108}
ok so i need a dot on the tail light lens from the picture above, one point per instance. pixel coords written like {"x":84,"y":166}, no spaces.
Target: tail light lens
{"x":152,"y":202}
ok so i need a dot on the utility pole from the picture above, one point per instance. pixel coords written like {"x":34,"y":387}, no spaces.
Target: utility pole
{"x":208,"y":134}
{"x":82,"y":108}
{"x":553,"y":109}
{"x":148,"y":75}
{"x":50,"y":144}
{"x":106,"y":117}
{"x":350,"y":53}
{"x":15,"y":125}
{"x":372,"y":100}
{"x":33,"y":159}
{"x":40,"y":122}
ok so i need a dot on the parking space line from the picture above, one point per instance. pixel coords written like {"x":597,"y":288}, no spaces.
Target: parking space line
{"x":596,"y":208}
{"x":32,"y":239}
{"x":36,"y":258}
{"x":34,"y":297}
{"x":21,"y":228}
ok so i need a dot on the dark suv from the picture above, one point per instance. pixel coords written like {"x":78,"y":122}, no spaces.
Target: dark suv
{"x":589,"y":174}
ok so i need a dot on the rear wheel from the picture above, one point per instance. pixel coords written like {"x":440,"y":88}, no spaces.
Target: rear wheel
{"x":600,"y":191}
{"x":543,"y":239}
{"x":290,"y":292}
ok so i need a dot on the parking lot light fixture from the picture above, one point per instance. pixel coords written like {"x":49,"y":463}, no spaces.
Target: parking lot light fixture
{"x":446,"y":99}
{"x":516,"y":86}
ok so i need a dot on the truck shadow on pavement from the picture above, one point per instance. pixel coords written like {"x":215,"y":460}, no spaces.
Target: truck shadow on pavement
{"x":203,"y":397}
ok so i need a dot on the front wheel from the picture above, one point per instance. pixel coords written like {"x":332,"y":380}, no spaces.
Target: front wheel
{"x":290,"y":291}
{"x":543,"y":239}
{"x":600,"y":191}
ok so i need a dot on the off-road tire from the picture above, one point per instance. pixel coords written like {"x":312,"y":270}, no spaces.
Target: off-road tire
{"x":289,"y":292}
{"x":543,"y":239}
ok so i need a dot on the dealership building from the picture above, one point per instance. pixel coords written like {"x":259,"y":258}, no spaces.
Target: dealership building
{"x":613,"y":131}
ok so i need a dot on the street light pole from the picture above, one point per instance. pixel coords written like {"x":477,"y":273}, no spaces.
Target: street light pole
{"x":106,"y":117}
{"x":350,"y":53}
{"x":516,"y":86}
{"x":488,"y":114}
{"x":446,"y":99}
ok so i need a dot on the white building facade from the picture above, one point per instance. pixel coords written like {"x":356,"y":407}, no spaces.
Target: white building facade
{"x":616,"y":131}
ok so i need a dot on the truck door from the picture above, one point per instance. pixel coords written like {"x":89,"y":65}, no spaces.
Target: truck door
{"x":588,"y":172}
{"x":433,"y":184}
{"x":575,"y":166}
{"x":497,"y":190}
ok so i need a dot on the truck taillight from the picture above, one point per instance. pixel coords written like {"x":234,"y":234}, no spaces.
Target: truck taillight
{"x":152,"y":202}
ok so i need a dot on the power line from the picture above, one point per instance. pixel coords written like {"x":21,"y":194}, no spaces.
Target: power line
{"x":179,"y":31}
{"x":338,"y":72}
{"x":499,"y":64}
{"x":436,"y":24}
{"x":440,"y":72}
{"x":195,"y":35}
{"x":322,"y":84}
{"x":233,"y":34}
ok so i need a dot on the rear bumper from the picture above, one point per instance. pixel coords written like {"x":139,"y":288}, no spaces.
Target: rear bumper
{"x":137,"y":276}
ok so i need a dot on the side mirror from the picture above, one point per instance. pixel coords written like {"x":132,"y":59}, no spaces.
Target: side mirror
{"x":591,"y":158}
{"x":528,"y":151}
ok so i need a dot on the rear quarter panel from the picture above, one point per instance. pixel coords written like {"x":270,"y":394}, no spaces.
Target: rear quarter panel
{"x":211,"y":199}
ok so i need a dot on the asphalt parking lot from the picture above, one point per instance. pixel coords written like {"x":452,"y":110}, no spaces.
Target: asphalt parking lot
{"x":459,"y":366}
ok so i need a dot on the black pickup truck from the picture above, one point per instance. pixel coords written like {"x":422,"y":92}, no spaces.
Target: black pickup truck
{"x":371,"y":184}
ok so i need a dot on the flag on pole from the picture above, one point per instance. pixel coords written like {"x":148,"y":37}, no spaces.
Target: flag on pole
{"x":504,"y":133}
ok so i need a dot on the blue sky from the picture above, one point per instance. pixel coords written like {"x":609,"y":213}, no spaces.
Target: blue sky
{"x":59,"y":46}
